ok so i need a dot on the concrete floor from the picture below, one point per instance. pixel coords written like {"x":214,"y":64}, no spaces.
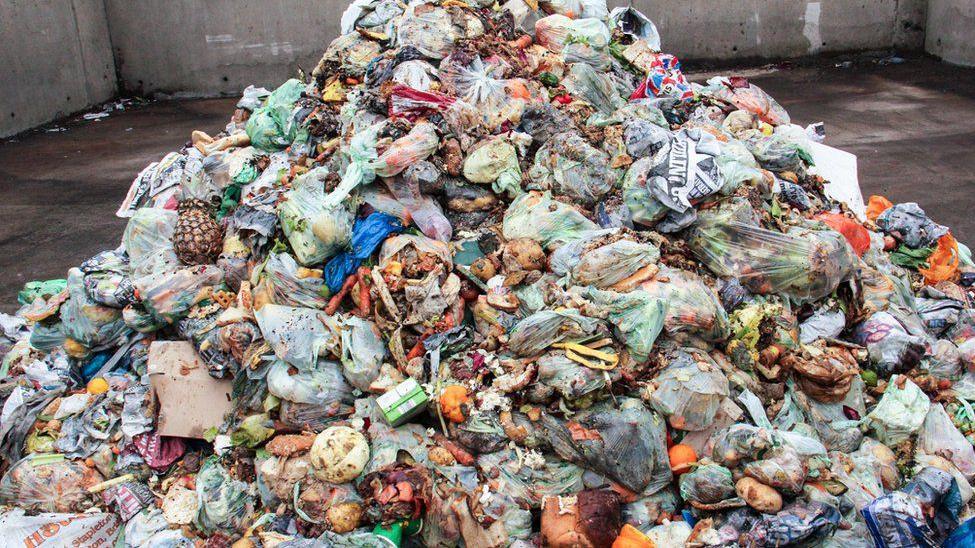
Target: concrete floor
{"x":912,"y":126}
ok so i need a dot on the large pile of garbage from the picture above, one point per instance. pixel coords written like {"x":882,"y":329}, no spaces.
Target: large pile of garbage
{"x":468,"y":285}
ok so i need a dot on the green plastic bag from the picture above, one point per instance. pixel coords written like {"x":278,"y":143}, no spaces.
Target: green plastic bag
{"x":271,"y":127}
{"x":45,"y":288}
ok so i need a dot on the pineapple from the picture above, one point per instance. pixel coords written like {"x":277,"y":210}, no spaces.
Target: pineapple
{"x":198,"y":238}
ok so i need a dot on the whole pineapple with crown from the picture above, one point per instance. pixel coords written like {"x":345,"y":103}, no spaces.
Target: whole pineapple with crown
{"x":198,"y":238}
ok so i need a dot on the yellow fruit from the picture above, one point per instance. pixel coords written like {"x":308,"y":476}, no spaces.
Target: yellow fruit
{"x":97,"y":385}
{"x":75,"y":349}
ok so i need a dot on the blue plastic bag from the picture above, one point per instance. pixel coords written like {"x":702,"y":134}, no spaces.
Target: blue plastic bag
{"x":367,"y":234}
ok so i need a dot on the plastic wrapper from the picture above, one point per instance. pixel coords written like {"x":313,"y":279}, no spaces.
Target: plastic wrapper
{"x":299,"y":335}
{"x":892,"y":349}
{"x":909,"y":224}
{"x":570,"y":166}
{"x":693,"y":309}
{"x":920,"y":514}
{"x":900,"y":412}
{"x":107,"y":281}
{"x":689,"y":391}
{"x":709,"y":487}
{"x":87,"y":322}
{"x":625,"y":443}
{"x":798,"y":524}
{"x":271,"y":126}
{"x":747,"y":96}
{"x":48,"y":483}
{"x":803,"y":263}
{"x":532,"y":335}
{"x":62,"y":529}
{"x":665,"y":79}
{"x":285,"y":283}
{"x":324,"y":386}
{"x":686,"y":169}
{"x":314,"y":230}
{"x":531,"y":485}
{"x":225,"y":503}
{"x":537,"y":216}
{"x":939,"y":436}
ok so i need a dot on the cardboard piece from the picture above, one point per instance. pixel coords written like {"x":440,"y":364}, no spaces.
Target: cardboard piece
{"x":190,"y":400}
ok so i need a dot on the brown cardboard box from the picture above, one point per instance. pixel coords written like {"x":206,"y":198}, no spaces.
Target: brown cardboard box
{"x":190,"y":400}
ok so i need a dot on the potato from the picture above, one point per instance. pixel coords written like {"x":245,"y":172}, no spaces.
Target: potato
{"x":523,"y":254}
{"x":758,"y":495}
{"x":344,"y":517}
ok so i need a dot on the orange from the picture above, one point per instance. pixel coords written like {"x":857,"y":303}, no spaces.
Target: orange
{"x":97,"y":385}
{"x":681,"y":458}
{"x":631,"y":537}
{"x":452,"y":399}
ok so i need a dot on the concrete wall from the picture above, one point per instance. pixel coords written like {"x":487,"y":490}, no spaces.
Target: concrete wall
{"x":209,"y":47}
{"x":951,"y":31}
{"x":220,"y":46}
{"x":57,"y":55}
{"x":55,"y":59}
{"x":710,"y":29}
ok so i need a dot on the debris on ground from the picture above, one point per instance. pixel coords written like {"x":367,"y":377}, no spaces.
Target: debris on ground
{"x":472,"y":285}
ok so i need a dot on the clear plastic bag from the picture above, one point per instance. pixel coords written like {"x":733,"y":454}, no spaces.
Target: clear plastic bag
{"x":168,"y":296}
{"x":48,"y":483}
{"x":570,"y":379}
{"x":798,"y":524}
{"x":570,"y":166}
{"x":689,"y":391}
{"x":225,"y":503}
{"x":299,"y":335}
{"x":285,"y":283}
{"x":496,"y":163}
{"x":314,"y":230}
{"x":637,"y":317}
{"x":423,"y":210}
{"x":432,"y":30}
{"x":597,"y":89}
{"x":645,"y":208}
{"x":781,"y":151}
{"x":576,"y":8}
{"x":627,"y":444}
{"x":900,"y":412}
{"x":939,"y":436}
{"x":530,"y":485}
{"x":148,"y":242}
{"x":556,"y":30}
{"x":747,"y":96}
{"x":324,"y":385}
{"x":632,"y":22}
{"x":363,"y":352}
{"x":532,"y":335}
{"x":805,"y":263}
{"x":606,"y":265}
{"x":693,"y":309}
{"x":889,"y":345}
{"x":781,"y":468}
{"x":708,"y":486}
{"x":537,"y":216}
{"x":644,"y":138}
